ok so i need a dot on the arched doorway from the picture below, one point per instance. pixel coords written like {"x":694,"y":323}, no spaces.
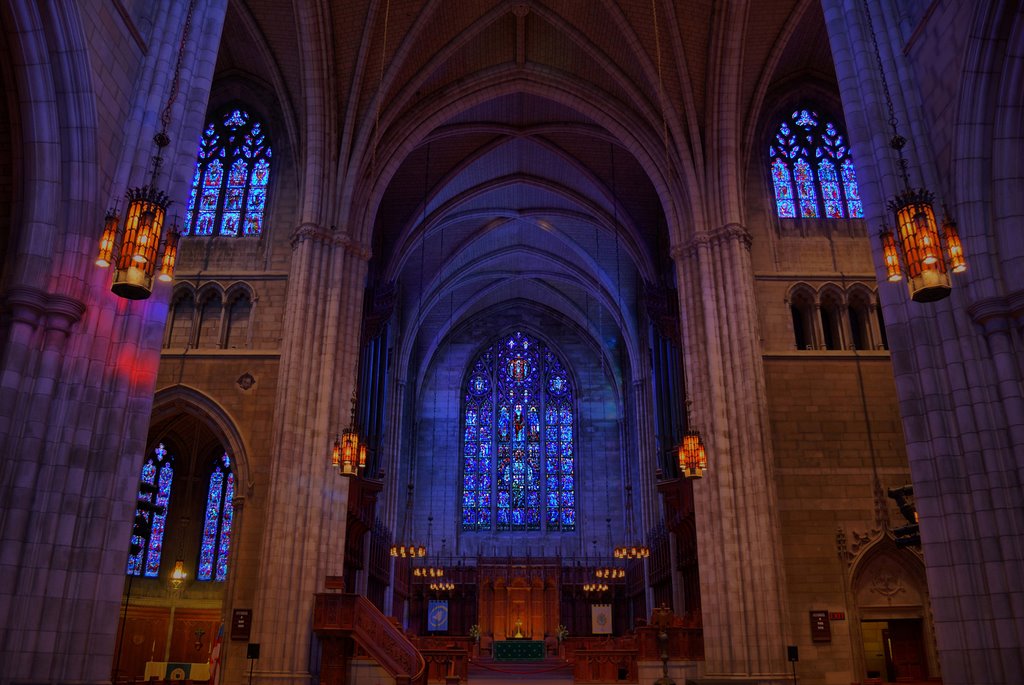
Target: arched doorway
{"x":179,"y":571}
{"x":895,"y":626}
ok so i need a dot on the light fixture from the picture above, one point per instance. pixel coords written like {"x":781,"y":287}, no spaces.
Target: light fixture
{"x":631,"y":550}
{"x":693,"y":458}
{"x":595,"y":587}
{"x":133,"y":247}
{"x":429,"y":570}
{"x":178,"y":575}
{"x":442,"y":586}
{"x":347,"y":455}
{"x":608,"y":571}
{"x":408,"y":550}
{"x":918,"y":240}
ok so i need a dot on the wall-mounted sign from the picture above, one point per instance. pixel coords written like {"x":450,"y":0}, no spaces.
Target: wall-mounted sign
{"x":821,"y":629}
{"x":836,"y":616}
{"x":241,"y":624}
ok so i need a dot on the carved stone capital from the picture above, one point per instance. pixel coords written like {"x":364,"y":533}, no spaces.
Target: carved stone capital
{"x":992,"y":314}
{"x":714,"y":236}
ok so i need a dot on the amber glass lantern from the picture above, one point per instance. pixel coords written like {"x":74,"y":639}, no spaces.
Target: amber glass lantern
{"x":893,"y":273}
{"x":136,"y":263}
{"x":170,"y":256}
{"x":693,"y":459}
{"x":918,"y":235}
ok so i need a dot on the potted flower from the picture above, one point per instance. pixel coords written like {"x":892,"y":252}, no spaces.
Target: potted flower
{"x":474,"y":632}
{"x":561,"y":633}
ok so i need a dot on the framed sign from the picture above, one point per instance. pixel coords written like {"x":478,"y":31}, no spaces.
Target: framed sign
{"x":241,"y":624}
{"x":821,"y":629}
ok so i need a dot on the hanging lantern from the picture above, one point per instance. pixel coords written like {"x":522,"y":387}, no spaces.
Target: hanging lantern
{"x":408,"y":551}
{"x":693,"y":459}
{"x":445,"y":586}
{"x":632,"y":552}
{"x":349,"y":451}
{"x":595,"y":587}
{"x":891,"y":256}
{"x":178,"y":575}
{"x":428,"y":572}
{"x":336,"y":454}
{"x":362,"y":456}
{"x":107,"y":240}
{"x":170,"y":255}
{"x":136,"y":262}
{"x":954,"y":248}
{"x":918,"y":235}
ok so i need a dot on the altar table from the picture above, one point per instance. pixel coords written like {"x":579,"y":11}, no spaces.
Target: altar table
{"x":519,"y":650}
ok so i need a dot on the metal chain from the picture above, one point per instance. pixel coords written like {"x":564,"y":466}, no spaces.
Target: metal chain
{"x":165,"y":117}
{"x":897,"y":142}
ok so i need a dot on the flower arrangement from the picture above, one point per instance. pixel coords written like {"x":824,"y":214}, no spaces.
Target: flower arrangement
{"x":474,"y":632}
{"x":561,"y":632}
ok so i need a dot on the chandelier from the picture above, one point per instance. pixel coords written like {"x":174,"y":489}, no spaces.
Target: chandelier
{"x":918,"y":240}
{"x":442,"y":586}
{"x":595,"y":587}
{"x":408,"y":550}
{"x":631,"y":550}
{"x":133,"y":247}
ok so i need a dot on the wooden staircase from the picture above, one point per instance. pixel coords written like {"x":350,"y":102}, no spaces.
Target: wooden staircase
{"x":343,"y":620}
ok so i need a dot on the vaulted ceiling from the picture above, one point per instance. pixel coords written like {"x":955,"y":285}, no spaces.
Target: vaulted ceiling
{"x":549,"y":152}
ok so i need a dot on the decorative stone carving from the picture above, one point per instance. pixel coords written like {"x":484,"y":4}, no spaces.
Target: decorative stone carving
{"x":246,"y":381}
{"x":887,"y":582}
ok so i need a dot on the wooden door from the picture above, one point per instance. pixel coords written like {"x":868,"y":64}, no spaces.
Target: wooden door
{"x":905,"y":650}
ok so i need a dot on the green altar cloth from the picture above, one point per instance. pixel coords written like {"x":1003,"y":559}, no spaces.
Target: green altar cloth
{"x":519,"y":650}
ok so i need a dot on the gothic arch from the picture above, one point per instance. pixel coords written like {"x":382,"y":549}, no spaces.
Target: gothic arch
{"x":181,"y":399}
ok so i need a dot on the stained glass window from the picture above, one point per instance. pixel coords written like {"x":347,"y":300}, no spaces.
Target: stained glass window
{"x":230,"y":203}
{"x":154,"y":489}
{"x":814,"y":160}
{"x":216,"y":543}
{"x":518,"y":456}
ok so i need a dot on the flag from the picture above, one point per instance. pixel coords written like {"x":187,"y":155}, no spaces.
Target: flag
{"x":437,"y":615}
{"x":601,"y":619}
{"x":215,"y":654}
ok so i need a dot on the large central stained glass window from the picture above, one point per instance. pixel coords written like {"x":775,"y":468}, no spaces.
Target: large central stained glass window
{"x":518,"y":457}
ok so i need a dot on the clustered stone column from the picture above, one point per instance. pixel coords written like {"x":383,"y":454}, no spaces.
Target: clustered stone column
{"x":304,"y":540}
{"x":741,"y":574}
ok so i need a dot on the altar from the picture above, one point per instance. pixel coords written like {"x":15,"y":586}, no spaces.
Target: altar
{"x":519,"y":650}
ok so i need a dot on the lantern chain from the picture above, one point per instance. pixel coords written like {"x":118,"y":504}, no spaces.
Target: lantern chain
{"x":897,"y":142}
{"x":161,"y":138}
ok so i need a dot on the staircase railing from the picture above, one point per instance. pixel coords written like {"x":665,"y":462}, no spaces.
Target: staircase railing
{"x":338,"y":617}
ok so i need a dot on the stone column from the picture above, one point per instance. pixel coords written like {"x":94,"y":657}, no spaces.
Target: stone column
{"x":77,"y":364}
{"x":304,"y":537}
{"x":741,"y":572}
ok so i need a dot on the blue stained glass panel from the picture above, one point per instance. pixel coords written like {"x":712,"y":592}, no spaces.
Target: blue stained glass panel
{"x":830,"y":189}
{"x":853,"y":203}
{"x":523,"y":385}
{"x":805,"y":189}
{"x":227,"y":517}
{"x":156,"y":470}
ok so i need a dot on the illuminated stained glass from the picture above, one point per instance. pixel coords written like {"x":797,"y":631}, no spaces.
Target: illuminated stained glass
{"x":216,"y":542}
{"x":830,"y":189}
{"x":853,"y":203}
{"x":523,"y":385}
{"x":156,"y":471}
{"x":832,"y":177}
{"x":805,"y":190}
{"x":234,"y":204}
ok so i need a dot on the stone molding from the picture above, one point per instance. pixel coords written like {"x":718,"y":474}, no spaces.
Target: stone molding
{"x":716,"y":236}
{"x":32,"y":306}
{"x":331,"y":237}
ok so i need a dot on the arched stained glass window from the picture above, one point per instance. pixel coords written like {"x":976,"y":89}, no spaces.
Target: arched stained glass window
{"x":216,"y":543}
{"x":232,"y":203}
{"x":154,"y":492}
{"x":518,"y":456}
{"x":811,"y":161}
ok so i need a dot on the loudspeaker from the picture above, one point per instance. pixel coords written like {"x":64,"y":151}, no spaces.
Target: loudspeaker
{"x":791,"y":652}
{"x":253,"y":651}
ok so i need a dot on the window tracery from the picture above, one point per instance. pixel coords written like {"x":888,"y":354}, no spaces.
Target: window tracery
{"x":215,"y":545}
{"x":811,"y":161}
{"x":518,"y":442}
{"x":154,"y":496}
{"x":229,"y":186}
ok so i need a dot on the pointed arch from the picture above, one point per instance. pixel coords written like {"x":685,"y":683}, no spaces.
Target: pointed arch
{"x":228,"y":196}
{"x":518,"y":449}
{"x":811,"y":169}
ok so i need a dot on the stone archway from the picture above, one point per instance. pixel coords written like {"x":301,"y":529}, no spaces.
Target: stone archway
{"x":163,"y":622}
{"x":893,"y":616}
